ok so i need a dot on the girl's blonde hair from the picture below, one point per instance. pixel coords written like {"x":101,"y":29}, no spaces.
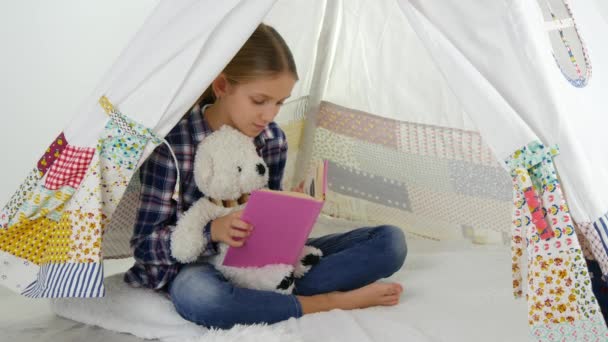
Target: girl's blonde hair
{"x":264,"y":54}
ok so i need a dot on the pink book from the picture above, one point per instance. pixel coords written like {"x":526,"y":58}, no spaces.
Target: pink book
{"x":282,"y":222}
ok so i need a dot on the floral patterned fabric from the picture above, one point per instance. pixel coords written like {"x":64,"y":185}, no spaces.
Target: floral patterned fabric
{"x":561,"y":304}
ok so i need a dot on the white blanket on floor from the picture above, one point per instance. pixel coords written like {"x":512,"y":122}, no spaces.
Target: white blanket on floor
{"x":454,"y":291}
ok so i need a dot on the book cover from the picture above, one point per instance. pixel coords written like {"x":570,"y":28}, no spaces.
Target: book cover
{"x":282,"y":222}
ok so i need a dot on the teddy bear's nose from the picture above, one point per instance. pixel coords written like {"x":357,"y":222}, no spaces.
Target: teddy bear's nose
{"x":261,"y":169}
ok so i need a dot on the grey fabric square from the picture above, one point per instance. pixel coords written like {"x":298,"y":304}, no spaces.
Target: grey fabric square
{"x":367,"y":186}
{"x":480,"y":181}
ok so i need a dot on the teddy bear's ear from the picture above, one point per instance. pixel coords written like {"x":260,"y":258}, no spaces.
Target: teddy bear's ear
{"x":203,"y":170}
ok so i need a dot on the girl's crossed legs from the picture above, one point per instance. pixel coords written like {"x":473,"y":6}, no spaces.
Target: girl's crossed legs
{"x":351,"y":263}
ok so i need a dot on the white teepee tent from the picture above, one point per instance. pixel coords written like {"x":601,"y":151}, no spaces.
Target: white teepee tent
{"x":452,"y":119}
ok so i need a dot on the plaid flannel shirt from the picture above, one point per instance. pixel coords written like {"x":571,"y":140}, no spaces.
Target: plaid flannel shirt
{"x":154,"y":265}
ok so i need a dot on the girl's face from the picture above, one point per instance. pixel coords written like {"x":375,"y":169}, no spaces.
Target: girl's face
{"x":251,"y":106}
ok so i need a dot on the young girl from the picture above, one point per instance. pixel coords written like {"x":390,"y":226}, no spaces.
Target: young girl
{"x":247,"y":95}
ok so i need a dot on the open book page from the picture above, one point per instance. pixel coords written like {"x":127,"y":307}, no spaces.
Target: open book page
{"x":315,"y":182}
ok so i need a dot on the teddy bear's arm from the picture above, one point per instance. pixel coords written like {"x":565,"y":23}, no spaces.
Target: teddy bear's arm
{"x":187,"y":238}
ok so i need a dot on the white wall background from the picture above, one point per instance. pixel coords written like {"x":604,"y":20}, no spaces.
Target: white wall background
{"x":51,"y":57}
{"x":603,"y":7}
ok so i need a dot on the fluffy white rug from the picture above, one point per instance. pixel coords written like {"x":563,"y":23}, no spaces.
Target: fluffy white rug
{"x":244,"y":333}
{"x":149,"y":315}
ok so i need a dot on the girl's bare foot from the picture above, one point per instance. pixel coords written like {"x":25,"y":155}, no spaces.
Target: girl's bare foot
{"x":386,"y":294}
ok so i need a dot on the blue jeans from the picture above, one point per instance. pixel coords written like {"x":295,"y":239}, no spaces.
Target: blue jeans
{"x":350,"y":260}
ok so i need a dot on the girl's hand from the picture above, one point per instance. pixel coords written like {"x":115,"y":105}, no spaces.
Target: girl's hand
{"x":230,"y":229}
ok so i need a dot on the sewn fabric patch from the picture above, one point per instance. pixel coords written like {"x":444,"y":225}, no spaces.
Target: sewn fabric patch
{"x":19,"y":197}
{"x":70,"y":168}
{"x":51,"y":154}
{"x":123,"y":141}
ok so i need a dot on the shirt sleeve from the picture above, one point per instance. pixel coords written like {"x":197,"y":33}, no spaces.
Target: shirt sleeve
{"x":274,"y":154}
{"x":151,"y":242}
{"x":211,"y":248}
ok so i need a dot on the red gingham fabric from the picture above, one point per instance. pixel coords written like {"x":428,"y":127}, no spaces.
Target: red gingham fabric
{"x":70,"y":168}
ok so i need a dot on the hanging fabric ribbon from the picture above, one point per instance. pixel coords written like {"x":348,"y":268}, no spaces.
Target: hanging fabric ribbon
{"x":559,"y":290}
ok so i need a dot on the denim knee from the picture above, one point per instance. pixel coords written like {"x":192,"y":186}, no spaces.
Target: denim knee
{"x":201,"y":298}
{"x":202,"y":295}
{"x":394,"y":247}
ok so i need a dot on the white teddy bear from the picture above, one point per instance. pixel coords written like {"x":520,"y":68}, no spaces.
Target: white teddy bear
{"x":227,"y":169}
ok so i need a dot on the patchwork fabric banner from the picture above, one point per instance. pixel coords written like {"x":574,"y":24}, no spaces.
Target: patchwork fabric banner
{"x":561,"y":304}
{"x":51,"y":229}
{"x":436,"y":182}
